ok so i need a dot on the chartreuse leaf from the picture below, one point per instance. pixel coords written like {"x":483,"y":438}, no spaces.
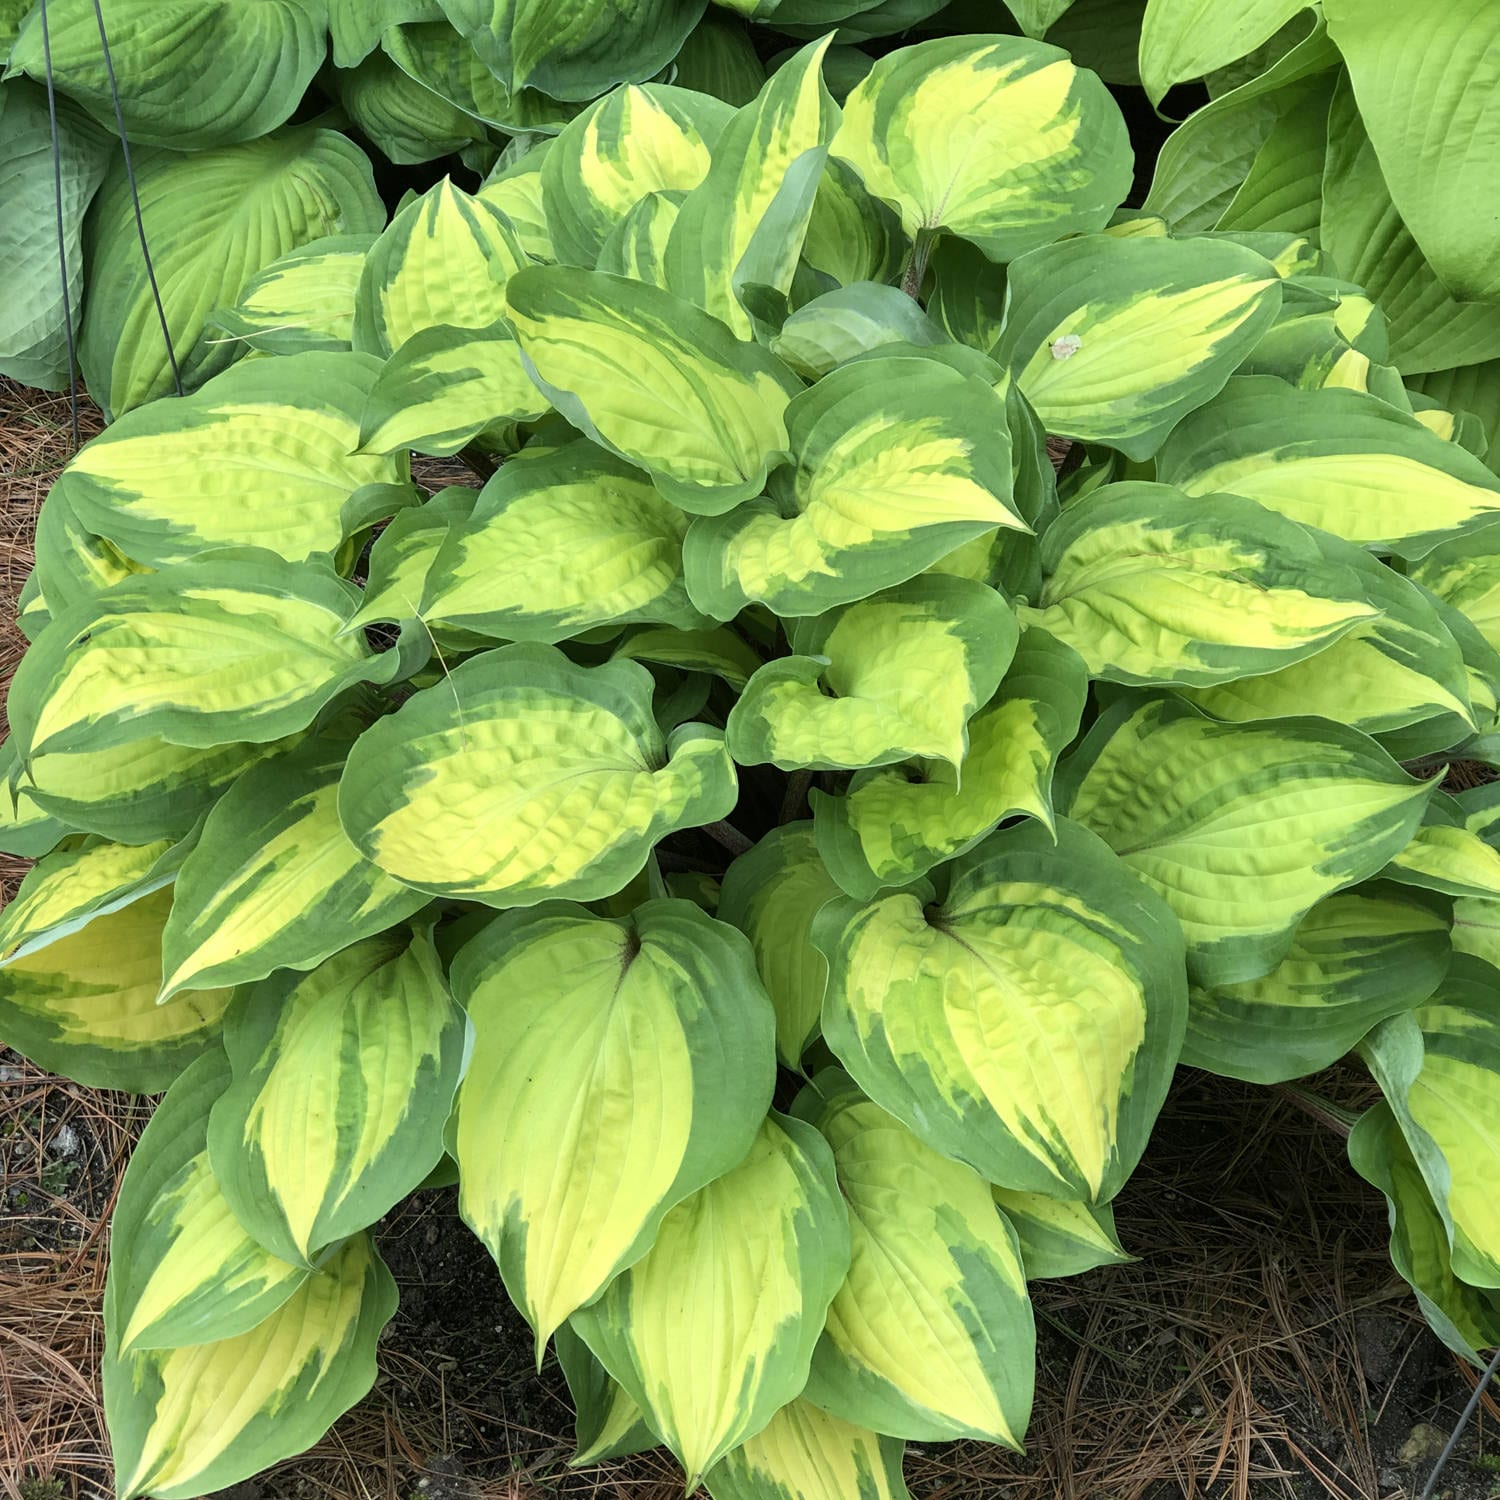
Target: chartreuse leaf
{"x":1114,"y":340}
{"x":849,"y":321}
{"x":230,"y":648}
{"x":744,"y":223}
{"x":1465,"y":1317}
{"x":262,"y":456}
{"x":1355,"y":959}
{"x":405,"y":119}
{"x":516,"y":190}
{"x":1242,"y":828}
{"x":931,"y":1334}
{"x":343,"y":1079}
{"x":302,"y":301}
{"x":1448,"y":199}
{"x":1465,"y":573}
{"x":1185,"y":39}
{"x":803,"y":1453}
{"x":213,"y":219}
{"x":633,"y":142}
{"x":607,"y":1423}
{"x":273,"y":881}
{"x":713,"y":1329}
{"x":996,"y":139}
{"x":720,"y":651}
{"x":576,"y":51}
{"x":894,"y":824}
{"x":892,"y":677}
{"x":85,"y":1004}
{"x":1060,"y":1236}
{"x":772,"y":893}
{"x":443,"y":387}
{"x":1150,"y":586}
{"x":1028,"y":1024}
{"x":581,"y":1023}
{"x":1342,"y":461}
{"x":442,"y":262}
{"x":1447,"y":857}
{"x":187,"y":1421}
{"x":521,"y":776}
{"x":1439,"y":1068}
{"x":637,"y":245}
{"x":1284,"y":187}
{"x":182,"y":1269}
{"x":68,"y":889}
{"x":404,"y":551}
{"x":1476,"y":928}
{"x":560,"y":544}
{"x":656,"y":380}
{"x":898,"y":460}
{"x":71,"y":562}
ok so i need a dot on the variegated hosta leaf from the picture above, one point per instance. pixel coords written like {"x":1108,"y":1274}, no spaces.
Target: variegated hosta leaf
{"x":1242,"y":828}
{"x":185,"y":1422}
{"x":27,"y":829}
{"x":996,"y":139}
{"x":1060,"y":1236}
{"x":852,"y":236}
{"x":1466,"y":1318}
{"x":67,"y":890}
{"x":656,"y":380}
{"x":1476,"y":928}
{"x":1342,"y":461}
{"x":1029,"y":1024}
{"x":71,"y":562}
{"x":273,"y":881}
{"x":441,"y":262}
{"x":1439,"y":1068}
{"x":618,"y":1067}
{"x":343,"y":1080}
{"x":637,"y":246}
{"x":402,"y":554}
{"x":1446,"y":856}
{"x":302,"y":301}
{"x":575,"y":51}
{"x":892,"y":677}
{"x":633,"y":142}
{"x":262,"y":456}
{"x":894,"y":824}
{"x":1465,"y":573}
{"x":772,"y":893}
{"x":745,"y":222}
{"x":182,"y":1268}
{"x":899,"y":459}
{"x":1114,"y":340}
{"x":85,"y":1005}
{"x":443,"y":387}
{"x":849,"y":321}
{"x":931,"y":1334}
{"x":967,"y":293}
{"x":521,"y":776}
{"x":558,"y":545}
{"x":713,"y":1329}
{"x":1355,"y":959}
{"x":240,"y":647}
{"x":516,"y":190}
{"x":606,"y":1423}
{"x":1150,"y":586}
{"x":720,"y":651}
{"x":803,"y":1453}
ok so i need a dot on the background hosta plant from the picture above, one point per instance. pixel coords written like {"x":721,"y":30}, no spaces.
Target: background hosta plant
{"x":774,"y":842}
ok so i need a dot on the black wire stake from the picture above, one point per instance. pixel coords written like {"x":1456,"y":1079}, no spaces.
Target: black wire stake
{"x":1458,"y":1432}
{"x":135,"y":197}
{"x":62,"y":240}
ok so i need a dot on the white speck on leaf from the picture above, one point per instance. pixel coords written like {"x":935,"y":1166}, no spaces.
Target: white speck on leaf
{"x":1067,"y":346}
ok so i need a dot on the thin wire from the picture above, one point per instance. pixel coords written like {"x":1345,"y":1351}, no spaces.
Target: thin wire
{"x":135,"y":197}
{"x":62,"y":240}
{"x":1458,"y":1431}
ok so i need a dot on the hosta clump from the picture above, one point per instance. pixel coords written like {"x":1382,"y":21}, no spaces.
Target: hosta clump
{"x":772,"y":844}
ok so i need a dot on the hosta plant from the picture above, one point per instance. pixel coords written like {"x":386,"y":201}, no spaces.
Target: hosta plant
{"x":773,"y":843}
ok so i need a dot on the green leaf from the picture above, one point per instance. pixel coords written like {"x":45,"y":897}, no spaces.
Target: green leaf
{"x":718,"y":58}
{"x":850,"y":321}
{"x":607,"y":1423}
{"x":304,"y":300}
{"x":998,"y":140}
{"x":402,"y":554}
{"x":1241,"y":828}
{"x":804,"y":1454}
{"x":407,"y":121}
{"x":852,"y":236}
{"x":1446,"y":856}
{"x":1028,"y":1024}
{"x":356,"y":26}
{"x":213,"y":220}
{"x":713,"y":1329}
{"x":1283,"y":189}
{"x":1465,"y":574}
{"x":719,"y":651}
{"x":580,"y":1024}
{"x":1474,"y":389}
{"x":1185,"y":39}
{"x":521,"y":776}
{"x":1060,"y":1236}
{"x":516,"y":190}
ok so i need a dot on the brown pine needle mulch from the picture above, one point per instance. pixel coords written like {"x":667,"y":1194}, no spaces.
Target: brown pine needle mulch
{"x":1261,"y":1347}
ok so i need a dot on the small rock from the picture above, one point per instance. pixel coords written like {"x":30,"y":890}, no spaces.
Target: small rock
{"x":64,"y":1141}
{"x":9,"y":1074}
{"x":1424,"y":1444}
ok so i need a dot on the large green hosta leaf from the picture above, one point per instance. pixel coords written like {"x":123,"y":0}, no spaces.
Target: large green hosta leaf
{"x":355,"y":26}
{"x":618,"y":1067}
{"x":1113,"y":340}
{"x":998,"y":140}
{"x":804,"y":1454}
{"x":931,"y":1334}
{"x":405,"y":119}
{"x":1185,"y":39}
{"x":713,"y":1330}
{"x":851,"y":320}
{"x":892,"y":677}
{"x":1241,"y":828}
{"x":213,"y":219}
{"x":521,"y":776}
{"x":187,"y":75}
{"x":1028,"y":1024}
